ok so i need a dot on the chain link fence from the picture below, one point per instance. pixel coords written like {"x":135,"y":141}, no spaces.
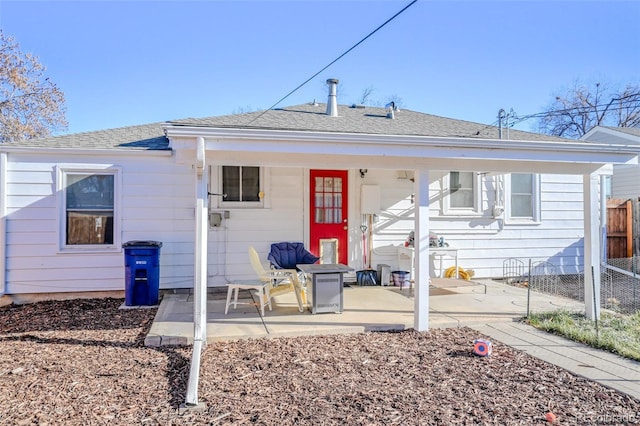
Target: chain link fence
{"x":619,"y":281}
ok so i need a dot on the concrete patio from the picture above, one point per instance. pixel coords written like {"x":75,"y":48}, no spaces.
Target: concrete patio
{"x":453,"y":303}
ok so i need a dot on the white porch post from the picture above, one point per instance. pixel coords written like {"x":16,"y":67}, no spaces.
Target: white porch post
{"x":421,"y":247}
{"x":200,"y":249}
{"x":200,"y":284}
{"x":591,"y":246}
{"x":200,"y":274}
{"x":603,"y":218}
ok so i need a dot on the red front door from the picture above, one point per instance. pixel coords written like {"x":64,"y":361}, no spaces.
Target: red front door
{"x":329,"y":227}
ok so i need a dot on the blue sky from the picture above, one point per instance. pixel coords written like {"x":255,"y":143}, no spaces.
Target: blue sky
{"x":123,"y":63}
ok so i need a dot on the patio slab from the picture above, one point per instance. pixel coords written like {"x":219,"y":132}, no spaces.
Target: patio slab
{"x":372,"y":308}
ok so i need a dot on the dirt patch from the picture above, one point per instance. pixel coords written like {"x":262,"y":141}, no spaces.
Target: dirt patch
{"x":83,"y":362}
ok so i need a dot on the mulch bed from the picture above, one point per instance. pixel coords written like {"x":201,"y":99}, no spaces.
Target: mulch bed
{"x":83,"y":362}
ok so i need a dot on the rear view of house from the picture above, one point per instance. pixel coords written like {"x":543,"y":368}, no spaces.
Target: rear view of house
{"x":350,"y":182}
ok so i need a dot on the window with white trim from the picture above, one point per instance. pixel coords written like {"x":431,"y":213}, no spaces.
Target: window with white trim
{"x":241,"y":186}
{"x":462,"y":195}
{"x":88,"y":208}
{"x":524,"y":197}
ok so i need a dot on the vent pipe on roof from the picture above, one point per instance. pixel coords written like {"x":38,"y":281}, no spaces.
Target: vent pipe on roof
{"x":332,"y":102}
{"x":391,"y":110}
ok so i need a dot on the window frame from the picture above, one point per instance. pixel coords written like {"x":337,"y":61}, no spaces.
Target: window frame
{"x":462,"y":211}
{"x":62,"y":172}
{"x":535,"y":201}
{"x":217,"y":201}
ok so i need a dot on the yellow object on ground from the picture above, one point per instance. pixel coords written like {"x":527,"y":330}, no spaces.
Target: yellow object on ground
{"x":462,"y":274}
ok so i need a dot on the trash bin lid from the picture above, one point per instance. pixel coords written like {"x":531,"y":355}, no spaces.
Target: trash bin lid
{"x":142,"y":244}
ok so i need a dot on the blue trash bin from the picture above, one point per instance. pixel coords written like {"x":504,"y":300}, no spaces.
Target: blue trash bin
{"x":142,"y":272}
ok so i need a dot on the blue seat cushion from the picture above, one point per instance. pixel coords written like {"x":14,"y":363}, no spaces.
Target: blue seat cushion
{"x":286,"y":255}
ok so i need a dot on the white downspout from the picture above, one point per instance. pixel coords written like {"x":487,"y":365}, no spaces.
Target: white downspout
{"x":3,"y":220}
{"x":421,"y":247}
{"x":200,"y":275}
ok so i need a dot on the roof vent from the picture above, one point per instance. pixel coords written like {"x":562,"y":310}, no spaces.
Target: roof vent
{"x":391,"y":110}
{"x":332,"y":103}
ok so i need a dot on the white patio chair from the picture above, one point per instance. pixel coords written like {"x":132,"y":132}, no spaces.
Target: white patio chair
{"x":278,"y":281}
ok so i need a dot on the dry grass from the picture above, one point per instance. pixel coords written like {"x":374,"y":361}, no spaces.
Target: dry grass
{"x":616,"y":333}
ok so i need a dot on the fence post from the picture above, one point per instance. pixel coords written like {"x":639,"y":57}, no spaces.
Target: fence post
{"x":595,"y":309}
{"x":633,"y":271}
{"x":529,"y":288}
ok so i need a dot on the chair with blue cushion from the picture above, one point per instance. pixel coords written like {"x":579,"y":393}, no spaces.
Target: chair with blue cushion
{"x":287,"y":255}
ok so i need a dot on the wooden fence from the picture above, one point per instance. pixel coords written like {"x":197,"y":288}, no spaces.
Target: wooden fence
{"x":623,"y":228}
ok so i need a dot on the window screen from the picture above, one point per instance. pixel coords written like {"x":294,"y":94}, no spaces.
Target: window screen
{"x":461,"y":190}
{"x":241,"y":184}
{"x":89,"y":200}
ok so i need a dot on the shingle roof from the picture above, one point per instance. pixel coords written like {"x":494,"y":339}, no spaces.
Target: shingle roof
{"x":306,"y":117}
{"x":368,"y":120}
{"x":143,"y":137}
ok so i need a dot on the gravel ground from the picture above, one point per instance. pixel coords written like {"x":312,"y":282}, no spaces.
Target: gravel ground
{"x":83,"y":362}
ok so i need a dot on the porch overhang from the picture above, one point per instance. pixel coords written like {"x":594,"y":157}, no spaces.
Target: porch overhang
{"x":281,"y":148}
{"x":422,"y":154}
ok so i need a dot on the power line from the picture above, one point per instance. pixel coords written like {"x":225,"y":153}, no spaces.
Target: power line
{"x":514,"y":119}
{"x":618,"y":105}
{"x":334,"y":61}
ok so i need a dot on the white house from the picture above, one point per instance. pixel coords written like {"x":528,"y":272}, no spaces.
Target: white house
{"x":323,"y":174}
{"x":625,"y":181}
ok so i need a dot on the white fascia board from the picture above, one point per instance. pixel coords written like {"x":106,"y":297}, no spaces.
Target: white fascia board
{"x":599,"y":132}
{"x":332,"y":161}
{"x":318,"y":143}
{"x":394,"y":150}
{"x":85,"y":151}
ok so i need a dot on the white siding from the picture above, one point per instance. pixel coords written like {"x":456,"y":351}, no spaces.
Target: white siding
{"x":156,"y":204}
{"x":484,"y":242}
{"x":625,"y":182}
{"x":282,"y":219}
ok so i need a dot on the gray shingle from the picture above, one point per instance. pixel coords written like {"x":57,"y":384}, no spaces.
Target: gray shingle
{"x":306,"y":117}
{"x":369,"y":120}
{"x":143,"y":137}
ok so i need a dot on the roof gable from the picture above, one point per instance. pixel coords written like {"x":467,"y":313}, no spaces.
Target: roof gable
{"x":614,"y":135}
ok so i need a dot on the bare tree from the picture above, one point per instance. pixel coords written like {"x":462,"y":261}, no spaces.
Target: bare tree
{"x":31,"y":106}
{"x":366,"y":93}
{"x":244,"y":109}
{"x":581,"y":109}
